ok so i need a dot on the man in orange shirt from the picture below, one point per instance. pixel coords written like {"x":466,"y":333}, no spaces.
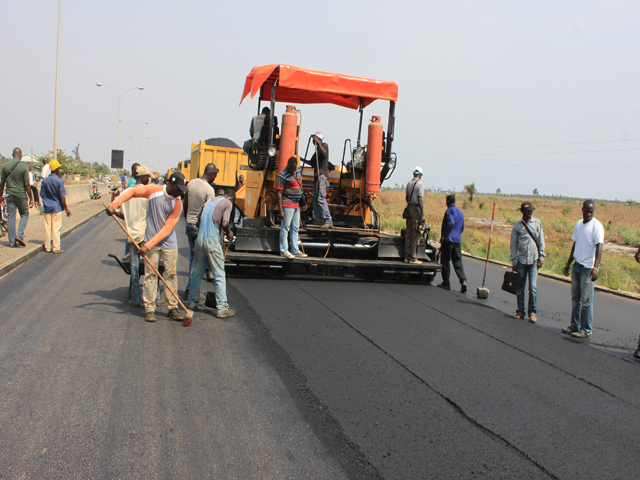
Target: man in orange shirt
{"x":160,"y":238}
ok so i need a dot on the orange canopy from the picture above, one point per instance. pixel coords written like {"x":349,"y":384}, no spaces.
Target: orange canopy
{"x":297,"y":85}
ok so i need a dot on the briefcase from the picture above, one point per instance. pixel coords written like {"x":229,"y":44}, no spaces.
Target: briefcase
{"x":512,"y":283}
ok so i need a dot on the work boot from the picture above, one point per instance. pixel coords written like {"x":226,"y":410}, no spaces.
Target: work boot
{"x":569,"y":330}
{"x":445,"y":286}
{"x":520,"y":316}
{"x":533,"y":318}
{"x":21,"y":242}
{"x":415,"y":262}
{"x":301,"y":255}
{"x":174,"y":314}
{"x":580,"y":334}
{"x":327,"y":225}
{"x":150,"y":317}
{"x":225,"y":314}
{"x":463,"y":287}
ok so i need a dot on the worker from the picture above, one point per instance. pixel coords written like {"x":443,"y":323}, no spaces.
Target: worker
{"x":414,"y":214}
{"x":14,"y":175}
{"x":256,"y":125}
{"x":133,"y":180}
{"x":134,"y":213}
{"x":320,"y":163}
{"x":200,"y":191}
{"x":54,"y":202}
{"x":209,"y":250}
{"x":289,"y":188}
{"x":160,"y":238}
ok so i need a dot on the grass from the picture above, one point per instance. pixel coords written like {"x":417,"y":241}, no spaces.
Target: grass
{"x":558,"y":216}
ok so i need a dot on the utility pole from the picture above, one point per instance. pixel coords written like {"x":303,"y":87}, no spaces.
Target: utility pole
{"x":55,"y":121}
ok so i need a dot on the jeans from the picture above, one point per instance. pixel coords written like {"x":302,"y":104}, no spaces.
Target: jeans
{"x":451,"y":254}
{"x":202,"y":258}
{"x":581,"y":298}
{"x":530,"y":271}
{"x":134,"y":278}
{"x":320,"y":208}
{"x":291,"y":222}
{"x":21,"y":204}
{"x":192,"y":235}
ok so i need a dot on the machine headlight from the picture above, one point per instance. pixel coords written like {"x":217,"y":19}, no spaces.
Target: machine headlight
{"x":272,"y":151}
{"x":392,"y":162}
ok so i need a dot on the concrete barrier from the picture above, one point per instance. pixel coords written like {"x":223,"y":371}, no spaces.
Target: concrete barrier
{"x":81,"y":193}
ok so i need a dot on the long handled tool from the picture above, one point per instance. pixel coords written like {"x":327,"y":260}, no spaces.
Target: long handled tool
{"x":482,"y":292}
{"x":188,"y":313}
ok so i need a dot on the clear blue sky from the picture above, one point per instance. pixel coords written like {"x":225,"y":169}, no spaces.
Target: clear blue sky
{"x":489,"y":91}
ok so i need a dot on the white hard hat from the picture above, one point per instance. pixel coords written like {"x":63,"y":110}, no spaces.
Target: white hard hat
{"x":319,"y":135}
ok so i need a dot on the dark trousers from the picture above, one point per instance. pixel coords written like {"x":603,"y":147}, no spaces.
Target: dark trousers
{"x":36,"y":198}
{"x":412,"y":234}
{"x":451,"y":253}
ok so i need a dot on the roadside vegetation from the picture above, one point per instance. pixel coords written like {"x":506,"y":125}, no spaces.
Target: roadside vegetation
{"x":621,"y":221}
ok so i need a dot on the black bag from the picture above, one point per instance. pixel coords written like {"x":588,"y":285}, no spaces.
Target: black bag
{"x":512,"y":283}
{"x":405,"y":212}
{"x":303,"y":201}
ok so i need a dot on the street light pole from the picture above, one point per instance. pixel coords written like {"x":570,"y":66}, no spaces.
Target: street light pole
{"x":133,"y":132}
{"x":55,"y":115}
{"x":119,"y":105}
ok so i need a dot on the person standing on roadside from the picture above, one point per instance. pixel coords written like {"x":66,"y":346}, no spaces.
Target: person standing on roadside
{"x":14,"y":175}
{"x":46,"y":169}
{"x":54,"y":201}
{"x":213,"y":220}
{"x":588,"y":238}
{"x":34,"y":190}
{"x":527,"y":257}
{"x":415,"y":208}
{"x":289,"y":188}
{"x":450,"y":249}
{"x":200,"y":192}
{"x":160,"y":238}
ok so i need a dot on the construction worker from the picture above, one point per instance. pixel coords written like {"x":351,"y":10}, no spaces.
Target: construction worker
{"x":15,"y":177}
{"x":160,"y":238}
{"x":414,"y":216}
{"x":209,"y":251}
{"x":289,"y":188}
{"x":320,"y":162}
{"x":54,"y":201}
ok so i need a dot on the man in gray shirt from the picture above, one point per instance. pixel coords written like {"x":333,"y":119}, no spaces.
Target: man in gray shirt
{"x":200,"y":192}
{"x":527,"y":256}
{"x":413,"y":195}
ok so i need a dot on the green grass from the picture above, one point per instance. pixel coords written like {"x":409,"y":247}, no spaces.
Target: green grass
{"x":560,"y":225}
{"x":630,"y":235}
{"x":566,"y":211}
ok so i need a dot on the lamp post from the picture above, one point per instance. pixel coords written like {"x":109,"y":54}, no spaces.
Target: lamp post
{"x":55,"y":115}
{"x":133,"y":131}
{"x":119,"y":105}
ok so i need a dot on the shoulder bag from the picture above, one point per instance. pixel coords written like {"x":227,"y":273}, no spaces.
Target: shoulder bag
{"x":405,"y":212}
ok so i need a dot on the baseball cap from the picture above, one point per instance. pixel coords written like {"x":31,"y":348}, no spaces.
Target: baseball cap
{"x":320,"y":135}
{"x":527,"y":206}
{"x":418,"y":171}
{"x":142,"y":170}
{"x":178,"y":179}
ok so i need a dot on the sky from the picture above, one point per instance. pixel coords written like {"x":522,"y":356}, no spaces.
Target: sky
{"x":512,"y":95}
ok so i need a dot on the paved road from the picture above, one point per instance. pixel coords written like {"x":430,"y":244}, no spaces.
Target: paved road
{"x":310,"y":380}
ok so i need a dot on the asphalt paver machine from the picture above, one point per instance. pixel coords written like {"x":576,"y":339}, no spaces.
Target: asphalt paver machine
{"x":355,"y":247}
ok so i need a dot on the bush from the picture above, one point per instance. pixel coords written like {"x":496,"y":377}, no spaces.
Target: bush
{"x":481,"y":205}
{"x":511,"y":219}
{"x":465,"y":204}
{"x":566,"y":211}
{"x":629,"y":234}
{"x":560,"y":225}
{"x":602,"y":204}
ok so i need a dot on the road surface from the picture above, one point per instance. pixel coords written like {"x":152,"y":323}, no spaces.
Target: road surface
{"x":309,"y":380}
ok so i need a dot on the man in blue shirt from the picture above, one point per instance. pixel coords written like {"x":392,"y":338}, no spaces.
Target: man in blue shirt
{"x":450,"y":251}
{"x":54,"y":202}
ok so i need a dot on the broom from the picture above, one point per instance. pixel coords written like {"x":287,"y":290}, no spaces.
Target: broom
{"x":482,"y":292}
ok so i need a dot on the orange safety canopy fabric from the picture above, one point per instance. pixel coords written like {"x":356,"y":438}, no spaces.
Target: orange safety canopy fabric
{"x":297,"y":85}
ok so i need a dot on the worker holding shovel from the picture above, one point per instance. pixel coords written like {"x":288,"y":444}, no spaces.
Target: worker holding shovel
{"x":160,"y":238}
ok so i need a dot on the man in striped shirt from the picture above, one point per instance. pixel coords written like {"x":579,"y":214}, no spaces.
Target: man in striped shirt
{"x":160,"y":238}
{"x":289,"y":187}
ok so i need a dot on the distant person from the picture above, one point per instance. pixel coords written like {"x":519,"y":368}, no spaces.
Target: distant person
{"x":34,"y":190}
{"x":450,"y":240}
{"x":133,"y":180}
{"x":200,"y":191}
{"x":588,"y":238}
{"x":289,"y":189}
{"x":257,"y":123}
{"x":54,"y":201}
{"x":14,"y":175}
{"x":123,"y":180}
{"x":320,"y":163}
{"x":527,"y":257}
{"x":210,"y":251}
{"x":46,"y":170}
{"x":413,"y":196}
{"x":636,"y":354}
{"x":240,"y":182}
{"x":160,"y":238}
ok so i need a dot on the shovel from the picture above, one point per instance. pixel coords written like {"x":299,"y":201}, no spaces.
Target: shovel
{"x":483,"y":293}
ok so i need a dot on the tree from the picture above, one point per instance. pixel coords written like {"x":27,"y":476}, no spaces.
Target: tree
{"x":498,"y":191}
{"x":535,"y":191}
{"x":470,"y":190}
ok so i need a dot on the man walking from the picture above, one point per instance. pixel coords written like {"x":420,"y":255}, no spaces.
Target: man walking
{"x":289,"y":187}
{"x":54,"y":201}
{"x":588,"y":237}
{"x":527,"y":257}
{"x":46,"y":169}
{"x":413,"y":196}
{"x":450,"y":250}
{"x":210,"y":251}
{"x":160,"y":238}
{"x":14,"y":175}
{"x":200,"y":192}
{"x":320,"y":162}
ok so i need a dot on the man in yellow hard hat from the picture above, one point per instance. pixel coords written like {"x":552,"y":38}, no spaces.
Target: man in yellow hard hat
{"x":54,"y":202}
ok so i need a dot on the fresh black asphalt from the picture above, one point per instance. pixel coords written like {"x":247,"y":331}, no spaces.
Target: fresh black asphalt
{"x":310,"y":379}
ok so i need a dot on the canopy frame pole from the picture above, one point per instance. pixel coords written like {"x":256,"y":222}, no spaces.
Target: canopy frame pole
{"x":273,"y":107}
{"x":360,"y":124}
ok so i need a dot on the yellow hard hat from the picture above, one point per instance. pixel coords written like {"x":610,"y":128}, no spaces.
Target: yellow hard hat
{"x":54,"y":165}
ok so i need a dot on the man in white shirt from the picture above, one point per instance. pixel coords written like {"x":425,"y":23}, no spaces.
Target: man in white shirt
{"x":46,"y":171}
{"x":588,"y":238}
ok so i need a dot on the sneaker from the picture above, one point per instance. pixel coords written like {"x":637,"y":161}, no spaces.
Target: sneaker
{"x":21,"y":242}
{"x":445,"y":286}
{"x":59,"y":251}
{"x":520,"y":316}
{"x":225,"y":314}
{"x":150,"y":317}
{"x":301,"y":255}
{"x":174,"y":314}
{"x":287,"y":255}
{"x":580,"y":334}
{"x":415,"y":262}
{"x":406,"y":260}
{"x":463,"y":287}
{"x":533,"y":318}
{"x":636,"y":354}
{"x":569,"y":330}
{"x":17,"y":245}
{"x":137,"y":304}
{"x":327,"y":225}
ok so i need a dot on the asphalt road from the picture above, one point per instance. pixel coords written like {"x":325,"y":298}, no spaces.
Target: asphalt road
{"x":309,"y":380}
